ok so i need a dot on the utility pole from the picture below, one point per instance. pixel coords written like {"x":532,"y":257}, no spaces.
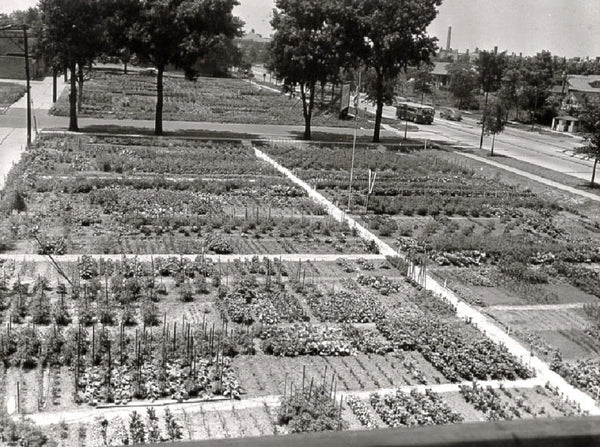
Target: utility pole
{"x":356,"y":105}
{"x":28,"y":86}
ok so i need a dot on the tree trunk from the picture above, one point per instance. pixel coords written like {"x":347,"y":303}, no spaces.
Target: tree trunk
{"x":73,"y":100}
{"x":594,"y":171}
{"x":158,"y":128}
{"x":80,"y":83}
{"x":379,"y":110}
{"x":307,"y":107}
{"x":483,"y":120}
{"x":493,"y":141}
{"x":54,"y":76}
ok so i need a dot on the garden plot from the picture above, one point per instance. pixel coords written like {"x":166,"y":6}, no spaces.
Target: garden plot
{"x":133,"y":96}
{"x":145,"y":195}
{"x":101,"y":331}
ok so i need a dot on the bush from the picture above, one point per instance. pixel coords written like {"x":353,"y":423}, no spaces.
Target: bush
{"x":310,"y":410}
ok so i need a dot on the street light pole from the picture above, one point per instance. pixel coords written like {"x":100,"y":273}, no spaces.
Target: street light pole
{"x":28,"y":86}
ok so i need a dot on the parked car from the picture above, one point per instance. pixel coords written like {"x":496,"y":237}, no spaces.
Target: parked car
{"x":450,"y":114}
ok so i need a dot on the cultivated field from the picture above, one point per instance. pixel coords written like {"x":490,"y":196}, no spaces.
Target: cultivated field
{"x":191,"y":277}
{"x":224,"y":100}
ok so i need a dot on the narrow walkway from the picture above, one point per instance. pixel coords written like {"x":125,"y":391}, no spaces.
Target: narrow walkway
{"x":86,"y":414}
{"x":537,"y":178}
{"x":538,"y":307}
{"x":285,"y":257}
{"x":464,"y":311}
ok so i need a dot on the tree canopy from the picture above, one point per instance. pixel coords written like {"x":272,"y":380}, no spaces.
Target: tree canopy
{"x":303,"y":49}
{"x":178,"y":33}
{"x":590,"y":122}
{"x":71,"y":35}
{"x":393,"y":35}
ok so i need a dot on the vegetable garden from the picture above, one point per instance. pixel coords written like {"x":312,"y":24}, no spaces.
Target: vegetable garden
{"x":153,"y":326}
{"x":224,"y":100}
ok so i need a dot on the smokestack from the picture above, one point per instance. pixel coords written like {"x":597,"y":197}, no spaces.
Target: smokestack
{"x":449,"y":38}
{"x":496,"y":49}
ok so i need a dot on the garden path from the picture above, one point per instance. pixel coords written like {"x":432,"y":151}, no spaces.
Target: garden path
{"x":464,"y":311}
{"x":539,"y":307}
{"x":288,"y":257}
{"x":89,"y":413}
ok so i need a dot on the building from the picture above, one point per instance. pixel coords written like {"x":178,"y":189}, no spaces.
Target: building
{"x":574,"y":88}
{"x":12,"y":56}
{"x":441,"y":78}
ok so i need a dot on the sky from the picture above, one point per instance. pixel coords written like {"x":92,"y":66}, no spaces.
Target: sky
{"x":564,"y":27}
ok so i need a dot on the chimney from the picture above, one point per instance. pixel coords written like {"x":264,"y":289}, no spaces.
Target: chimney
{"x":449,"y":38}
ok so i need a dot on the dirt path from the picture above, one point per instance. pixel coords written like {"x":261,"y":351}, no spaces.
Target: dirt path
{"x":464,"y":311}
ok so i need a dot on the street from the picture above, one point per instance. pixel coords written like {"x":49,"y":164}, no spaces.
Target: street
{"x":542,"y":147}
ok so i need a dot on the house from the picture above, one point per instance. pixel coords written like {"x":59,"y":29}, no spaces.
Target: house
{"x":574,"y":88}
{"x":12,"y":56}
{"x":440,"y":74}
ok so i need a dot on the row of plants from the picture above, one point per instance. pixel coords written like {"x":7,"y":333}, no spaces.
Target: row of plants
{"x":247,"y":302}
{"x":136,"y":430}
{"x":348,"y":305}
{"x":445,"y":346}
{"x":413,"y":409}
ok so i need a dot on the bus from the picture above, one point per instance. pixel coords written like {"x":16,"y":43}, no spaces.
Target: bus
{"x":412,"y":111}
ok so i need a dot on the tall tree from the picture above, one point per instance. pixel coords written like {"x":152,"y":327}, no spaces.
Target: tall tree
{"x":490,"y":67}
{"x":178,"y":33}
{"x":511,"y":88}
{"x":538,"y":76}
{"x":463,"y":80}
{"x":423,"y":81}
{"x":117,"y":31}
{"x":590,"y":122}
{"x":393,"y":35}
{"x":303,"y":49}
{"x":70,"y":30}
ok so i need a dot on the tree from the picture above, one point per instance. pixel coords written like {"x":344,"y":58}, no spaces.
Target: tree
{"x":71,"y":34}
{"x":511,"y":89}
{"x":391,"y":36}
{"x":538,"y":75}
{"x":179,"y":32}
{"x":490,"y":67}
{"x":495,"y":121}
{"x":423,"y":81}
{"x":117,"y":30}
{"x":302,"y":51}
{"x":463,"y":80}
{"x":590,"y":121}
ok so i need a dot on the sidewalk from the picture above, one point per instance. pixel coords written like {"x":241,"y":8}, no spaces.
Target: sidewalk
{"x":13,"y":123}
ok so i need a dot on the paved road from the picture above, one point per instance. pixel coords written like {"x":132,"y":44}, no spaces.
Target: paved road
{"x":551,"y":150}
